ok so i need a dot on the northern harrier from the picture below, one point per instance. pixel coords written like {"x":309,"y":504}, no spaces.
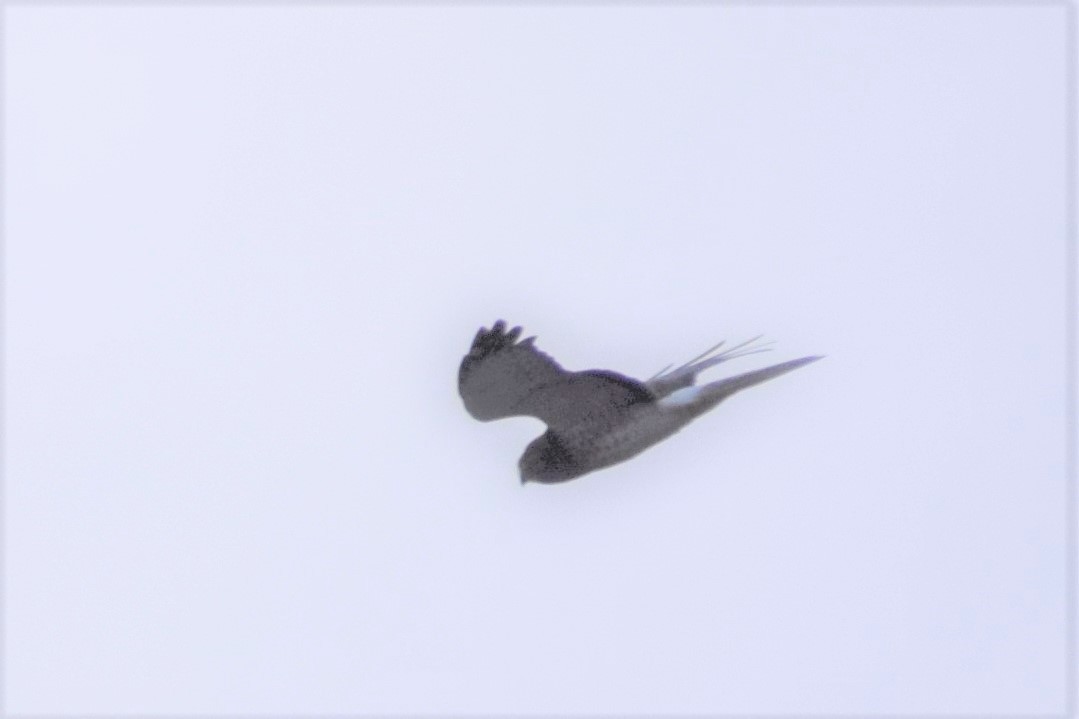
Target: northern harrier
{"x":595,"y":418}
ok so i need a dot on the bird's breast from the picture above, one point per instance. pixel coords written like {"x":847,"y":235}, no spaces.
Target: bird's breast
{"x":602,"y":446}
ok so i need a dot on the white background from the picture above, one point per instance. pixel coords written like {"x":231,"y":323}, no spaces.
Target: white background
{"x":247,"y":247}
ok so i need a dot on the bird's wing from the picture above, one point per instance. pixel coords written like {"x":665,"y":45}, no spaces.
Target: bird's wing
{"x":501,"y":377}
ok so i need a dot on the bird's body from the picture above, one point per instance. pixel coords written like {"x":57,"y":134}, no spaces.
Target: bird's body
{"x":595,"y":418}
{"x":642,"y":426}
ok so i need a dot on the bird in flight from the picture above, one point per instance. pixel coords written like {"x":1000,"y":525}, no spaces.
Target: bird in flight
{"x":595,"y":418}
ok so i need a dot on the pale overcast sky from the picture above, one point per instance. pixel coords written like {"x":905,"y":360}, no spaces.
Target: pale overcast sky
{"x":247,"y":247}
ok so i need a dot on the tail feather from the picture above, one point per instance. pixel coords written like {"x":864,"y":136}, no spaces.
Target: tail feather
{"x":665,"y":382}
{"x":715,"y":392}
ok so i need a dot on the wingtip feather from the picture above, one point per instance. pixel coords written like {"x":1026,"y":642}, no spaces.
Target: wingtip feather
{"x":489,"y":341}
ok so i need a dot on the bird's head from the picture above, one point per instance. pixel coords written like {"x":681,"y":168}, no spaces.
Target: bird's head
{"x":546,"y":460}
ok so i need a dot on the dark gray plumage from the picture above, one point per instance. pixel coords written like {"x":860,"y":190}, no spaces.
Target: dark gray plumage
{"x":594,"y":418}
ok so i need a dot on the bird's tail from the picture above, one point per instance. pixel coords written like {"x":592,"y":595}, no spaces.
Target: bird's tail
{"x":667,"y":380}
{"x":702,"y":398}
{"x":715,"y":392}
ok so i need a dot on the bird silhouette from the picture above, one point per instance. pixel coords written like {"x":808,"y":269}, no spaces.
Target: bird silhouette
{"x":595,"y":418}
